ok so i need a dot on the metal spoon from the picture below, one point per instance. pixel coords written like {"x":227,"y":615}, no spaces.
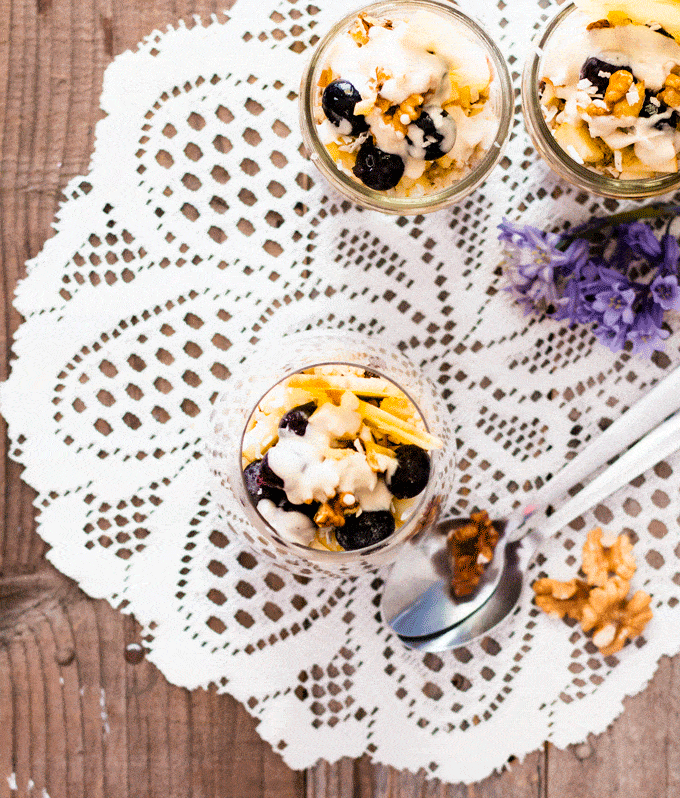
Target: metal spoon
{"x":416,"y":600}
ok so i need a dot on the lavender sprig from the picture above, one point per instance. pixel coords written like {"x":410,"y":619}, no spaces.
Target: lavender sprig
{"x":622,"y":283}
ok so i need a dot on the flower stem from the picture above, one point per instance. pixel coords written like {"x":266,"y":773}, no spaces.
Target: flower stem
{"x":588,"y":229}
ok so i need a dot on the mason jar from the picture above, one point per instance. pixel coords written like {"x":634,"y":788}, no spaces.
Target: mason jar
{"x":500,"y":100}
{"x":563,"y":29}
{"x":273,"y":362}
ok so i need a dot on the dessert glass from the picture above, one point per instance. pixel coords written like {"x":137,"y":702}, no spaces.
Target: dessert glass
{"x":501,"y":100}
{"x":547,"y":146}
{"x":276,"y":360}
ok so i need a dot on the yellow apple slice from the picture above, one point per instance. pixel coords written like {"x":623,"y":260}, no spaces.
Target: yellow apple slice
{"x":577,"y":142}
{"x":396,"y":428}
{"x":364,"y":386}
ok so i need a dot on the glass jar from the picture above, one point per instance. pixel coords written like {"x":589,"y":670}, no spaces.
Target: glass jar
{"x":501,"y":99}
{"x":570,"y":23}
{"x":274,"y":361}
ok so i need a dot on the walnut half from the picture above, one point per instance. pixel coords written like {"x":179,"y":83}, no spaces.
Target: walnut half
{"x":601,"y":605}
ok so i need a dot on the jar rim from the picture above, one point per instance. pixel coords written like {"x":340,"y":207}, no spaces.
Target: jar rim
{"x":376,"y":200}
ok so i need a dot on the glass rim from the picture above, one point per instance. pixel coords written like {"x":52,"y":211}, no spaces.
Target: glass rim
{"x":377,"y":200}
{"x":555,"y":156}
{"x":346,"y":554}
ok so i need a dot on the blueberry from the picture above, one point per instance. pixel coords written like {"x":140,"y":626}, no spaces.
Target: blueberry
{"x":338,"y":101}
{"x":412,"y":472}
{"x":306,"y":509}
{"x":434,"y":132}
{"x":268,"y":477}
{"x":652,"y":106}
{"x":257,"y":483}
{"x":377,"y":169}
{"x":296,"y":419}
{"x":365,"y":529}
{"x":598,"y":73}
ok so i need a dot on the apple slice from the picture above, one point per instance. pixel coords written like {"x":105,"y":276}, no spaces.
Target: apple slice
{"x":577,"y":142}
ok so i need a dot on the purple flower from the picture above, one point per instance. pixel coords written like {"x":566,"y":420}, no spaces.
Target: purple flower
{"x":533,"y":264}
{"x":613,"y":337}
{"x":646,"y":335}
{"x":615,"y":303}
{"x":670,"y":254}
{"x":641,"y":240}
{"x":665,"y":291}
{"x":572,"y":279}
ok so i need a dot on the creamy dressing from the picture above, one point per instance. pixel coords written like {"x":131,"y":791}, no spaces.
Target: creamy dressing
{"x":290,"y":524}
{"x":311,"y":469}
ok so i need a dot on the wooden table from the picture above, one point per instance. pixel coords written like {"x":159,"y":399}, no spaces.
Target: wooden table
{"x":76,"y":718}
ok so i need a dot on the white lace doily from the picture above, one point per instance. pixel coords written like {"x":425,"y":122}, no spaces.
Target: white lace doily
{"x":199,"y":226}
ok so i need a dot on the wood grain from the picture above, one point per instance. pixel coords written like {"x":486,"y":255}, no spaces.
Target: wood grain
{"x":76,"y":718}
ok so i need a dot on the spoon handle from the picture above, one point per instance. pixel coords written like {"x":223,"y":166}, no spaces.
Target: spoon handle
{"x":647,"y":452}
{"x":644,"y":415}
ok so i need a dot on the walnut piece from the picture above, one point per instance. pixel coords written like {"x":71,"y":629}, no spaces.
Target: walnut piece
{"x":618,"y":86}
{"x":470,"y":548}
{"x":600,"y":23}
{"x":671,"y":92}
{"x":600,"y":605}
{"x":602,"y":555}
{"x":332,"y":512}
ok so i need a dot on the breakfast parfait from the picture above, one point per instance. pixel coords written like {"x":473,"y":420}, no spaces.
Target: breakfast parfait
{"x":334,"y":457}
{"x":610,"y":87}
{"x":402,"y":102}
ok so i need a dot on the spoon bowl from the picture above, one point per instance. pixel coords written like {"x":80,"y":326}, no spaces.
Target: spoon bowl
{"x":417,"y":602}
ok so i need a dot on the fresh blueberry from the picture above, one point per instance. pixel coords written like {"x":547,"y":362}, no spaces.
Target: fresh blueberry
{"x":269,"y":478}
{"x":365,"y":529}
{"x":296,"y":419}
{"x":412,"y":472}
{"x":338,"y":101}
{"x":377,"y":169}
{"x":652,"y":106}
{"x":598,"y":73}
{"x":306,"y":509}
{"x":257,"y":483}
{"x":432,"y":135}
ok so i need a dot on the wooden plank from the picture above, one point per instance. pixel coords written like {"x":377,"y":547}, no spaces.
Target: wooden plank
{"x":637,"y":757}
{"x":79,"y":720}
{"x":361,"y":779}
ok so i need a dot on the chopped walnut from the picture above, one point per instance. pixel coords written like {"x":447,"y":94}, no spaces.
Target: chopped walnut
{"x":470,"y":549}
{"x":613,"y":619}
{"x":325,"y":78}
{"x":332,"y":512}
{"x":618,"y":86}
{"x":631,"y":104}
{"x":600,"y":23}
{"x":604,"y":555}
{"x":671,"y":91}
{"x":561,"y":598}
{"x":600,"y":605}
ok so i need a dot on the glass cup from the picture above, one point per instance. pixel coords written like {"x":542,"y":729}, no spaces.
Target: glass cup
{"x":501,"y":99}
{"x":567,"y":25}
{"x":275,"y":361}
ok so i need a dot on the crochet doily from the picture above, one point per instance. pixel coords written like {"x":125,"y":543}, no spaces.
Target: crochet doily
{"x":201,"y":229}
